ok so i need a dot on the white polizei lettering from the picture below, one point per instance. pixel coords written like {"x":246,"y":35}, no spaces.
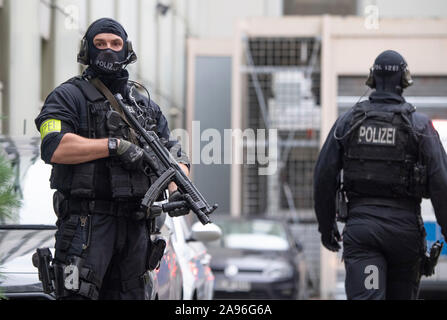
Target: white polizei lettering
{"x":383,"y":135}
{"x":391,"y":135}
{"x":369,"y":134}
{"x":376,"y":137}
{"x":362,"y":133}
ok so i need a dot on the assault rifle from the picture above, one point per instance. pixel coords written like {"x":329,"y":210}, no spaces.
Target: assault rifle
{"x":166,"y":169}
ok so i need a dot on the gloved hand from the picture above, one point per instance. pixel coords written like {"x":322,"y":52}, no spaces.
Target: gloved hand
{"x":176,"y":196}
{"x":331,"y":240}
{"x":130,"y":155}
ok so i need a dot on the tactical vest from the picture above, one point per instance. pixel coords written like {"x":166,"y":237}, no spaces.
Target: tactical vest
{"x":102,"y":178}
{"x":381,"y":156}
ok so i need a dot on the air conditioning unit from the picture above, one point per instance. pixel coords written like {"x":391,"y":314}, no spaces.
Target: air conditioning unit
{"x":293,"y":105}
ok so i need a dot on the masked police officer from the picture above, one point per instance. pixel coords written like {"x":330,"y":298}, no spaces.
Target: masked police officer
{"x":384,"y":157}
{"x":102,"y":242}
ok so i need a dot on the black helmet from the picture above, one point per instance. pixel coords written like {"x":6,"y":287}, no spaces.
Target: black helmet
{"x":389,"y":73}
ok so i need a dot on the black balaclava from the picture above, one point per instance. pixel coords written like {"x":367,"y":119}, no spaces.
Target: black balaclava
{"x":388,"y":72}
{"x":103,"y":61}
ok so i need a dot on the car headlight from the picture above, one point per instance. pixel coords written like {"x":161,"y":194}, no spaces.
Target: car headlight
{"x":280,"y":271}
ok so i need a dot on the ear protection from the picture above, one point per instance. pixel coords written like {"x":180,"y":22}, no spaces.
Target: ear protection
{"x":405,"y":82}
{"x":369,"y":82}
{"x":83,"y":57}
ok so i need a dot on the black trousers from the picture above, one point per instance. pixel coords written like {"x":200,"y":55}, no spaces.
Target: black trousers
{"x":115,"y":250}
{"x":382,"y":251}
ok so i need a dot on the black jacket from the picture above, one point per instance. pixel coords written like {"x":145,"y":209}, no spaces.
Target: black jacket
{"x":330,"y":162}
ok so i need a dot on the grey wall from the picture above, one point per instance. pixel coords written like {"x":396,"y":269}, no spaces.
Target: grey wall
{"x":213,"y":109}
{"x":405,"y":8}
{"x":313,"y":7}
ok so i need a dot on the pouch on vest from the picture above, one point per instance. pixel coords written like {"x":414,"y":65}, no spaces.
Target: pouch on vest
{"x":140,"y":183}
{"x":60,"y":204}
{"x":120,"y":182}
{"x":59,"y":177}
{"x":82,"y":184}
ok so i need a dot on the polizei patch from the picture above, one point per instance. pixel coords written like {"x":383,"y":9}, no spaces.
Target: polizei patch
{"x":376,"y":135}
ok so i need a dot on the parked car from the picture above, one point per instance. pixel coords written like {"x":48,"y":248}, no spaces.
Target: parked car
{"x":194,"y":260}
{"x":168,"y":275}
{"x":30,"y":227}
{"x":257,"y":258}
{"x":18,"y":276}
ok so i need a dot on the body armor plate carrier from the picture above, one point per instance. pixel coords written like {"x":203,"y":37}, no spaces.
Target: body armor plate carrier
{"x":381,"y":157}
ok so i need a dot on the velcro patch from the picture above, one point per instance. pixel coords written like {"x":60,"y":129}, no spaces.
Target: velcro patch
{"x":377,"y":135}
{"x":49,"y":126}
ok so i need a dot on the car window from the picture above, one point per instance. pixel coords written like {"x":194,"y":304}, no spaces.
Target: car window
{"x":253,"y":235}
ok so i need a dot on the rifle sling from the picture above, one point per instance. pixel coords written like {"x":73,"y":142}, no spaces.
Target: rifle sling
{"x":98,"y":84}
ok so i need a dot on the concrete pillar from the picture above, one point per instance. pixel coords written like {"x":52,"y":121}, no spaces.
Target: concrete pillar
{"x":22,"y":83}
{"x":67,"y":36}
{"x":237,"y":120}
{"x":328,"y":259}
{"x":100,"y":9}
{"x":147,"y":37}
{"x":126,"y":12}
{"x":4,"y":39}
{"x":180,"y":32}
{"x":165,"y":52}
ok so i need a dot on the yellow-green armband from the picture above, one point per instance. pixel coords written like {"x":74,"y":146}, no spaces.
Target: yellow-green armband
{"x":49,"y":126}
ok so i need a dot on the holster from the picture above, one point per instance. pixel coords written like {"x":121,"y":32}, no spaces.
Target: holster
{"x":60,"y":204}
{"x":65,"y":279}
{"x":430,"y":260}
{"x":42,"y":259}
{"x":342,"y":206}
{"x":156,"y":252}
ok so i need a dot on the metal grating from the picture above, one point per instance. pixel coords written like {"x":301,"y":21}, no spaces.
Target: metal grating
{"x":282,"y":87}
{"x":283,"y":90}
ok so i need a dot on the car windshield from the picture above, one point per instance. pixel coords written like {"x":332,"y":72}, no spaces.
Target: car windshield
{"x":255,"y":234}
{"x":30,"y":181}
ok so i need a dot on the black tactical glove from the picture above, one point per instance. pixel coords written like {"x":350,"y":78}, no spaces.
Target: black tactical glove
{"x":130,"y":155}
{"x":331,"y":240}
{"x":177,"y":200}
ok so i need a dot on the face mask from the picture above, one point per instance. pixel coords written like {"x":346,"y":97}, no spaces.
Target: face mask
{"x":107,"y":61}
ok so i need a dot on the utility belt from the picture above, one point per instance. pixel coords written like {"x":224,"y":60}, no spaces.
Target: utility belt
{"x":343,"y":204}
{"x":77,"y":206}
{"x":107,"y":207}
{"x":405,"y":204}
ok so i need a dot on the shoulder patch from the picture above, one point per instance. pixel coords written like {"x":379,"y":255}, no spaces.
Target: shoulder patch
{"x":49,"y":126}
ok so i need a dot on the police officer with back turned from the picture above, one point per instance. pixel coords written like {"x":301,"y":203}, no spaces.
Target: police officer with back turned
{"x":379,"y":160}
{"x":102,"y":241}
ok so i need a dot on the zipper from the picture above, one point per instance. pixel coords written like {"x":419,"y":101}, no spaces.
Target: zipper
{"x":83,"y":223}
{"x":83,"y":220}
